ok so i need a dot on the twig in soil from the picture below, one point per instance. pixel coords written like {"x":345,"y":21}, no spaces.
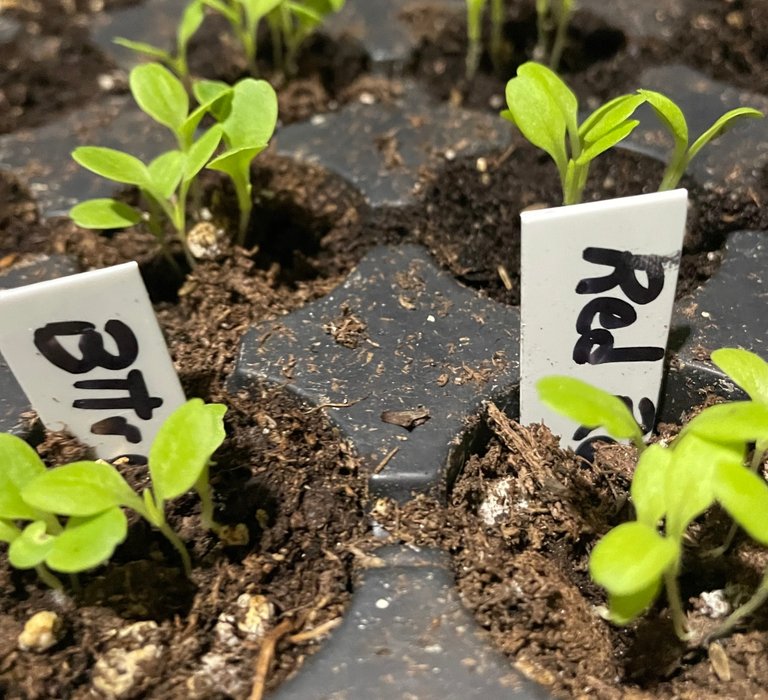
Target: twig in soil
{"x":385,"y":461}
{"x":318,"y":631}
{"x":266,"y":653}
{"x":337,"y":404}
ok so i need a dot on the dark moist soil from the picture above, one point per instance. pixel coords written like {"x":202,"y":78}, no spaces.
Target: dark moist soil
{"x":283,"y":469}
{"x":520,"y":523}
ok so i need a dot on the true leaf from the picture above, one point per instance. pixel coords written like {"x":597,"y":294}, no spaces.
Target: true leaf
{"x":589,"y":406}
{"x":745,"y":496}
{"x":104,"y":214}
{"x":87,"y":542}
{"x":112,"y":164}
{"x":160,"y":94}
{"x":183,"y":446}
{"x":745,"y":368}
{"x":80,"y":488}
{"x":608,"y":117}
{"x":31,"y":547}
{"x":630,"y":558}
{"x":607,"y":141}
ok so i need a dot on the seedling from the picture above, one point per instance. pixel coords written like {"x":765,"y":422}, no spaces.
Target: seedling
{"x":671,"y":487}
{"x":190,"y":22}
{"x":247,"y":124}
{"x":166,"y":181}
{"x":475,"y":13}
{"x":290,"y":23}
{"x":672,"y":117}
{"x":552,"y":19}
{"x":91,"y":495}
{"x":545,"y":110}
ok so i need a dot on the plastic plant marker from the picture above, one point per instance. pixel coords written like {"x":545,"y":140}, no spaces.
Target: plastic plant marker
{"x":609,"y":271}
{"x":89,"y":354}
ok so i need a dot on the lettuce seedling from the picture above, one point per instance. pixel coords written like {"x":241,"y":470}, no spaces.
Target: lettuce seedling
{"x":290,"y":23}
{"x":190,"y":22}
{"x":545,"y":110}
{"x":475,"y":13}
{"x":671,"y":487}
{"x":672,"y":117}
{"x":164,"y":182}
{"x":244,"y":17}
{"x":247,"y":124}
{"x":91,"y":495}
{"x":552,"y":17}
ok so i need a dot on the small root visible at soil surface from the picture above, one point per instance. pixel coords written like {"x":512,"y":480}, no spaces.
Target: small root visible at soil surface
{"x":520,"y":523}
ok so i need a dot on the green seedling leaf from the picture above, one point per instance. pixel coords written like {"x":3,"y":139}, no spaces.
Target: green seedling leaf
{"x":631,"y":558}
{"x":689,"y":486}
{"x":31,"y":547}
{"x":538,"y":113}
{"x":87,"y":542}
{"x":253,"y":115}
{"x":225,"y":10}
{"x":748,"y":370}
{"x":82,"y":489}
{"x":141,"y":47}
{"x":8,"y":531}
{"x":104,"y":214}
{"x":112,"y":164}
{"x":183,"y":447}
{"x":190,"y":22}
{"x":160,"y":94}
{"x":649,"y":484}
{"x":735,"y":422}
{"x":209,"y":94}
{"x":260,"y":8}
{"x":215,"y":97}
{"x":606,"y":142}
{"x":165,"y":173}
{"x":19,"y":465}
{"x":624,"y":609}
{"x":745,"y":496}
{"x":723,"y":124}
{"x":671,"y":116}
{"x":235,"y":162}
{"x":589,"y":406}
{"x":201,"y":151}
{"x":610,"y":116}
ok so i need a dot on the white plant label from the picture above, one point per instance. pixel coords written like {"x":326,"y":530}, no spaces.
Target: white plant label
{"x":90,"y":356}
{"x":598,"y":284}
